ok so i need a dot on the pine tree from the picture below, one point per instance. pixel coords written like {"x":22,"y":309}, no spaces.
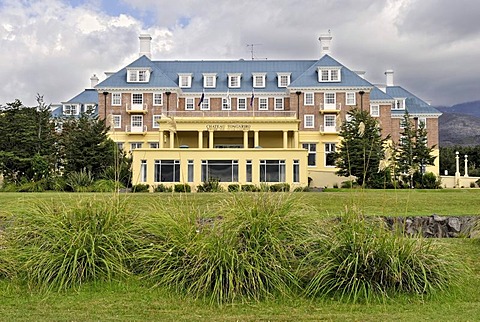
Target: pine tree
{"x":361,"y":150}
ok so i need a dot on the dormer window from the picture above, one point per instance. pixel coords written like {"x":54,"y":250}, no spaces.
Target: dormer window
{"x":138,"y":75}
{"x":399,"y":104}
{"x":71,"y":109}
{"x":259,"y":80}
{"x":209,"y":80}
{"x":329,"y":74}
{"x":185,"y":80}
{"x":234,"y":80}
{"x":283,"y":79}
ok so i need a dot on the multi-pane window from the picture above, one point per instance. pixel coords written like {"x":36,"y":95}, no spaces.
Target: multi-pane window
{"x":283,"y":80}
{"x":135,"y":145}
{"x":329,"y":74}
{"x":167,"y":171}
{"x":154,"y":145}
{"x":137,"y":121}
{"x":70,"y":109}
{"x":279,"y":103}
{"x":312,"y":153}
{"x":259,"y":80}
{"x":117,"y":121}
{"x":137,"y":99}
{"x":329,"y":121}
{"x":296,"y":170}
{"x":329,"y":154}
{"x":226,"y":103}
{"x":399,"y":104}
{"x":157,"y":99}
{"x":155,"y":120}
{"x":190,"y":170}
{"x":248,"y":170}
{"x":263,"y":103}
{"x":116,"y":99}
{"x":138,"y":76}
{"x":272,"y":170}
{"x":89,"y":108}
{"x":205,"y":105}
{"x":221,"y":170}
{"x":374,"y":110}
{"x":308,"y":98}
{"x":241,"y":103}
{"x":422,"y":120}
{"x":189,"y":103}
{"x":185,"y":81}
{"x":329,"y":98}
{"x":142,"y":75}
{"x":309,"y":121}
{"x":209,"y":80}
{"x":350,"y":98}
{"x":234,"y":81}
{"x":143,"y":170}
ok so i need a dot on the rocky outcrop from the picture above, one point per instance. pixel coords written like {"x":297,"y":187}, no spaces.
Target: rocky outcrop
{"x":436,"y":226}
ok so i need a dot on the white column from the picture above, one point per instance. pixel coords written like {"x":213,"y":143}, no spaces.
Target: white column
{"x":161,"y":138}
{"x":457,"y":170}
{"x":285,"y":139}
{"x":172,"y":139}
{"x":200,"y":139}
{"x":210,"y":139}
{"x":466,"y":166}
{"x":256,"y":139}
{"x":245,"y":139}
{"x":295,"y":139}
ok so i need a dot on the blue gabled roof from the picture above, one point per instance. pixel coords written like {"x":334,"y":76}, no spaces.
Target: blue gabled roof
{"x":348,"y":78}
{"x":157,"y":77}
{"x":378,"y":95}
{"x":88,"y":96}
{"x":244,"y":67}
{"x":413,"y":104}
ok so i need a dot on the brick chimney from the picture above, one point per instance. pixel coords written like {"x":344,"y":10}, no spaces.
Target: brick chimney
{"x":325,"y":40}
{"x":145,"y":45}
{"x":389,"y":74}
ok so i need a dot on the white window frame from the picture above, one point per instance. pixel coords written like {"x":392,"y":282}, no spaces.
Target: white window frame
{"x":263,"y":103}
{"x":138,"y":75}
{"x":259,"y":80}
{"x":135,"y":145}
{"x":328,"y":150}
{"x":328,"y":119}
{"x":329,"y":100}
{"x":157,"y":99}
{"x":399,"y":104}
{"x":134,"y":119}
{"x":153,"y":145}
{"x":374,"y":110}
{"x":422,"y":120}
{"x":234,"y":80}
{"x":209,"y":80}
{"x":309,"y":121}
{"x":143,"y":170}
{"x":117,"y":121}
{"x":308,"y":99}
{"x":279,"y":104}
{"x":89,"y":108}
{"x":283,"y":79}
{"x":244,"y":99}
{"x":71,"y":109}
{"x":326,"y":75}
{"x":312,"y":151}
{"x":205,"y":106}
{"x":116,"y":99}
{"x":350,"y":98}
{"x":189,"y":104}
{"x":184,"y":80}
{"x":226,"y":103}
{"x":155,"y":119}
{"x":136,"y":95}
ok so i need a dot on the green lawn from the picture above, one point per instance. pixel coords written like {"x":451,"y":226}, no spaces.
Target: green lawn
{"x":132,"y":301}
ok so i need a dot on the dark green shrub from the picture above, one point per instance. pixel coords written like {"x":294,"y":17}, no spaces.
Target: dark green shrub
{"x":140,"y":187}
{"x":162,"y":188}
{"x":280,"y":187}
{"x":347,"y":184}
{"x":235,"y":187}
{"x":182,"y":187}
{"x":301,"y":189}
{"x":249,"y":187}
{"x":33,"y":186}
{"x":212,"y":185}
{"x":472,"y":184}
{"x":81,"y":181}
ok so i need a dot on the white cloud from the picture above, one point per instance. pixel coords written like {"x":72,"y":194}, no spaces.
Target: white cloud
{"x":53,"y":48}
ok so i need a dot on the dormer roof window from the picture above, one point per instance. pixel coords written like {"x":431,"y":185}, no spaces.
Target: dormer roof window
{"x":329,"y":74}
{"x":185,"y":80}
{"x":234,"y":80}
{"x":138,"y":75}
{"x":259,"y":80}
{"x":209,"y":80}
{"x":399,"y":104}
{"x":283,"y":79}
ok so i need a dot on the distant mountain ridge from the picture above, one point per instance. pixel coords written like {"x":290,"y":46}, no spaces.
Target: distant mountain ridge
{"x":459,"y":124}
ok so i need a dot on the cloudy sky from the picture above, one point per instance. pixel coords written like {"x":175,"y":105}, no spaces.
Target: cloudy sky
{"x":53,"y":47}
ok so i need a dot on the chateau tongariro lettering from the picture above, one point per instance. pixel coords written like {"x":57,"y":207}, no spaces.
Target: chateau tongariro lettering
{"x":228,"y":127}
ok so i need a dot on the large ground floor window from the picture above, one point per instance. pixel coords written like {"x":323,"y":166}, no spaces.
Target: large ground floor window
{"x":222,"y":170}
{"x":272,"y":170}
{"x":167,"y":171}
